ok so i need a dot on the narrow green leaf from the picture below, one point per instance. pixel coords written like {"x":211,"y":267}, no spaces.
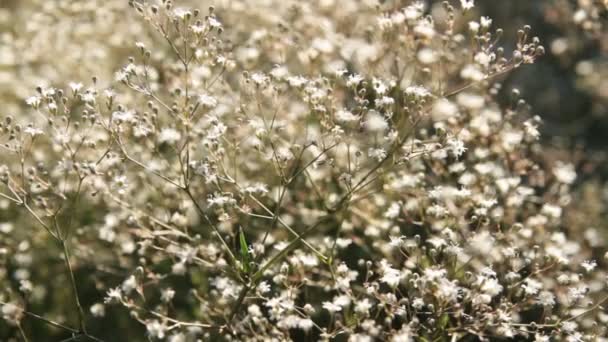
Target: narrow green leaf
{"x":245,"y":259}
{"x":444,"y":320}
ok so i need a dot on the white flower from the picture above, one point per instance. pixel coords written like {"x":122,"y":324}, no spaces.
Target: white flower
{"x":470,"y":101}
{"x":48,"y":92}
{"x":390,"y":276}
{"x":181,"y":13}
{"x":179,"y":337}
{"x":531,"y":286}
{"x":75,"y":86}
{"x":88,"y":97}
{"x":11,"y":313}
{"x":447,"y":289}
{"x":396,"y":241}
{"x":98,"y":310}
{"x":457,"y":147}
{"x":375,"y":122}
{"x":564,"y":172}
{"x":392,"y":211}
{"x":384,"y":23}
{"x":342,"y":300}
{"x":541,"y":338}
{"x":551,"y":210}
{"x":417,"y":91}
{"x":26,"y":286}
{"x":467,"y":4}
{"x":511,"y":139}
{"x":121,"y":184}
{"x":297,"y":81}
{"x":569,"y":326}
{"x":472,"y":72}
{"x":331,"y":307}
{"x":483,"y":59}
{"x":124,"y":116}
{"x":345,"y":116}
{"x":121,"y":75}
{"x":198,"y":29}
{"x":169,"y":135}
{"x":482,"y":298}
{"x":427,"y":56}
{"x":52,"y":106}
{"x":179,"y":268}
{"x":259,"y":78}
{"x":403,"y":335}
{"x":482,"y":242}
{"x":156,"y":329}
{"x":220,"y":200}
{"x":264,"y":287}
{"x":414,"y":11}
{"x":437,"y":210}
{"x":531,"y":130}
{"x":474,"y":26}
{"x":256,"y":188}
{"x":213,"y":22}
{"x":207,"y":101}
{"x":418,"y":303}
{"x":33,"y":131}
{"x":444,"y":109}
{"x":425,"y":29}
{"x":322,"y":45}
{"x":354,"y":80}
{"x":431,"y":274}
{"x":546,"y":298}
{"x":491,"y":286}
{"x":576,"y":293}
{"x":305,"y":324}
{"x":167,"y":295}
{"x":5,"y":227}
{"x":254,"y":310}
{"x":377,"y":153}
{"x":141,"y":130}
{"x":33,"y":101}
{"x":280,"y":72}
{"x":380,"y":87}
{"x":485,"y":22}
{"x":129,"y":284}
{"x":113,"y":296}
{"x":384,"y":101}
{"x":363,"y":306}
{"x":589,"y":265}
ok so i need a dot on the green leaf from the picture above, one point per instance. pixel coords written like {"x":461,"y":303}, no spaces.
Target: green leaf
{"x":444,"y":320}
{"x":245,"y":258}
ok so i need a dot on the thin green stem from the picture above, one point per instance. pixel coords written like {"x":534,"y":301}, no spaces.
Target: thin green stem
{"x":81,"y":317}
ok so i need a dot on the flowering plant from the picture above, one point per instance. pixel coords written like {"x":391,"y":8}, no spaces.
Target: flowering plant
{"x":319,"y":170}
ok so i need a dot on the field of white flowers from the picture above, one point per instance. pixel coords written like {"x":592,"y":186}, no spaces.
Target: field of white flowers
{"x":289,"y":170}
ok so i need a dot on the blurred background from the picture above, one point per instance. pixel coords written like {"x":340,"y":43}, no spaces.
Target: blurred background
{"x":568,"y":88}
